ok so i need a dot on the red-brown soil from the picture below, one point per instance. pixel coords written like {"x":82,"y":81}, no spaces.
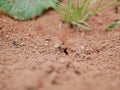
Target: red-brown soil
{"x":86,"y":60}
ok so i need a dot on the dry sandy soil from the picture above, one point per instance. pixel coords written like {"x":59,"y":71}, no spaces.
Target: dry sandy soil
{"x":36,"y":55}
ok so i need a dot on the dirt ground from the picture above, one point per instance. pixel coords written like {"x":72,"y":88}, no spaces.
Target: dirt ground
{"x":37,"y":55}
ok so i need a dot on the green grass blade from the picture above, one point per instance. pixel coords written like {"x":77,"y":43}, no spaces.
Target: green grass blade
{"x":113,"y":25}
{"x":81,"y":26}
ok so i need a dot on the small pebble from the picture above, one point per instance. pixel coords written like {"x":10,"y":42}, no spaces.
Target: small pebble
{"x":54,"y":74}
{"x":36,"y":47}
{"x":57,"y":45}
{"x":82,"y":47}
{"x":46,"y":43}
{"x":22,"y":43}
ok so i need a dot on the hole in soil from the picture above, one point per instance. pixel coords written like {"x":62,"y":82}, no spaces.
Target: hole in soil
{"x":77,"y":72}
{"x":116,"y":10}
{"x":63,"y":50}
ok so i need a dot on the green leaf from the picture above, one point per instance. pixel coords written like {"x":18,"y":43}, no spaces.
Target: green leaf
{"x":113,"y":25}
{"x":25,"y":9}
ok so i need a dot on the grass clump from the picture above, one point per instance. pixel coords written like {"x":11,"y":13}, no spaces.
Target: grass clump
{"x":76,"y":12}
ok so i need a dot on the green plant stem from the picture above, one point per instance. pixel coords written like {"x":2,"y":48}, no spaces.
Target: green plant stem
{"x":77,"y":13}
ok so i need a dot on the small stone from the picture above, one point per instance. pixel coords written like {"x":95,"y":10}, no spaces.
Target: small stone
{"x":36,"y":47}
{"x":57,"y":45}
{"x":82,"y":47}
{"x":22,"y":43}
{"x":46,"y":43}
{"x":54,"y":74}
